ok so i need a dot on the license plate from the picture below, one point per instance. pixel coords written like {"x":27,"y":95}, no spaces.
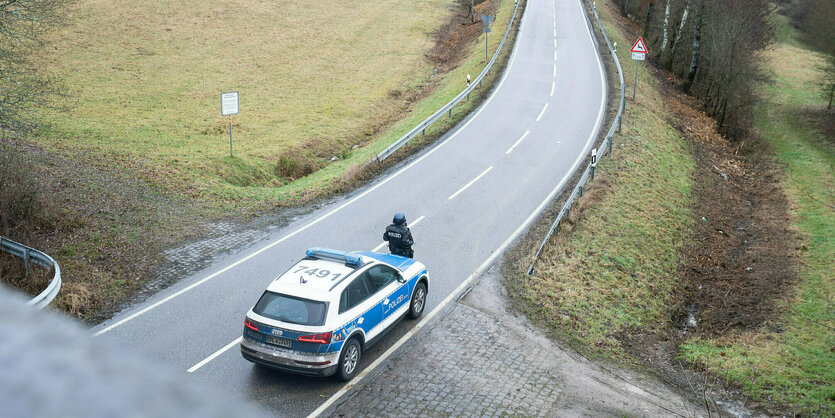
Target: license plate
{"x":281,"y":342}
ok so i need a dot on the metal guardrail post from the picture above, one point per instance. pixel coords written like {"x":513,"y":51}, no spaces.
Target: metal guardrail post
{"x":28,"y":255}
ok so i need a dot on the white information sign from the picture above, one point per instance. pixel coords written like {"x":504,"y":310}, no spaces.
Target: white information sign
{"x":229,"y":103}
{"x":638,"y":56}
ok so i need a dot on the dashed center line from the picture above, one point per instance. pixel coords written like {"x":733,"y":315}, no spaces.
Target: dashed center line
{"x":555,"y":43}
{"x":555,"y":55}
{"x":553,"y":86}
{"x":555,"y":70}
{"x":517,"y":142}
{"x":470,"y":183}
{"x":542,"y":112}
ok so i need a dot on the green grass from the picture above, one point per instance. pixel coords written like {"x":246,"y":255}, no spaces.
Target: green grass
{"x":795,"y":366}
{"x":315,"y":79}
{"x":613,"y":266}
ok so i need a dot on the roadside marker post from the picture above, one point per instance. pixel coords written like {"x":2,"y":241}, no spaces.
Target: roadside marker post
{"x":487,"y":21}
{"x":639,"y":53}
{"x":228,"y":107}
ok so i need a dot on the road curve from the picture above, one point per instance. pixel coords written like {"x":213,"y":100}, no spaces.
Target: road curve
{"x":472,"y":193}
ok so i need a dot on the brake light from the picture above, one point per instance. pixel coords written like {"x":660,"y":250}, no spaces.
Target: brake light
{"x":317,"y":338}
{"x":250,"y":325}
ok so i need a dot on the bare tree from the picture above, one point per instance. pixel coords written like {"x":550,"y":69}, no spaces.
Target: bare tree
{"x":677,"y":38}
{"x":697,"y":38}
{"x":817,"y":20}
{"x":23,"y":87}
{"x":666,"y":23}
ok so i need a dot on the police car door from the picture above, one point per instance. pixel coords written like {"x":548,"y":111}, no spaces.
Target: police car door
{"x":395,"y":294}
{"x":360,"y":302}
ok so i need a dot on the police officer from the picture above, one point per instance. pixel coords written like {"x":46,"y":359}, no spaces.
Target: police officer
{"x":399,"y":236}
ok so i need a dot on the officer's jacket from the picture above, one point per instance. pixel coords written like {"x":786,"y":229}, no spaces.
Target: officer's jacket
{"x":398,"y":236}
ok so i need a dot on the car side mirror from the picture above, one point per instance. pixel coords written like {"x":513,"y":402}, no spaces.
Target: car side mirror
{"x":401,"y":279}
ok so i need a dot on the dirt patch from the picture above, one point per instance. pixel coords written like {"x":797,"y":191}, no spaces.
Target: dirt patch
{"x":456,"y":37}
{"x":738,"y":265}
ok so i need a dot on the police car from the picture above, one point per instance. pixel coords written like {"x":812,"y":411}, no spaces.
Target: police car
{"x":318,"y":316}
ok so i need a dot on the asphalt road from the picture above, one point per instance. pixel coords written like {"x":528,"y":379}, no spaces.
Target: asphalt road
{"x":472,"y":193}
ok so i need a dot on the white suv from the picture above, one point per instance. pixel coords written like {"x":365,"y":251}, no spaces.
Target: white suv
{"x":318,"y":316}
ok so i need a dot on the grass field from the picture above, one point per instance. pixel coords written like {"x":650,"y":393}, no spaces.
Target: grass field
{"x":793,"y":366}
{"x":315,"y":79}
{"x":142,"y":150}
{"x":613,"y":266}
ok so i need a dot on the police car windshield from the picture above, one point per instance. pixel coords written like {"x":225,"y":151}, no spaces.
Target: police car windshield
{"x":291,"y":309}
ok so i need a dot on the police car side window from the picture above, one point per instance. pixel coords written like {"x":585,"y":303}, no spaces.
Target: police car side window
{"x":380,"y":276}
{"x":355,"y":293}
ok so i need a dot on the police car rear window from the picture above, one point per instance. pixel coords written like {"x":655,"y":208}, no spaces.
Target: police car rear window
{"x":291,"y":309}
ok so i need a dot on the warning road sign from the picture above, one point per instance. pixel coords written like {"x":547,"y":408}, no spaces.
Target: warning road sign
{"x":639,"y":47}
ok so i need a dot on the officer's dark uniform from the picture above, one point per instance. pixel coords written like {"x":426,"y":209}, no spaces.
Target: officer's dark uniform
{"x":399,"y":237}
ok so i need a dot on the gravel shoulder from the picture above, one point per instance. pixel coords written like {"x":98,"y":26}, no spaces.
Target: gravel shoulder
{"x":482,"y":358}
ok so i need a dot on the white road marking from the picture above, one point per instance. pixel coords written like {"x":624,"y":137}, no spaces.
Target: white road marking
{"x":555,"y":70}
{"x":555,"y":43}
{"x":383,"y":244}
{"x":542,"y":112}
{"x":323,"y":217}
{"x":555,"y":55}
{"x":216,"y":353}
{"x":553,"y":86}
{"x":517,"y":142}
{"x":555,"y":33}
{"x":470,"y":183}
{"x":238,"y":340}
{"x":464,"y":285}
{"x":356,"y":381}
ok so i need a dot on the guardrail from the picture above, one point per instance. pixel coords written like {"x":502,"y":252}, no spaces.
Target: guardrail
{"x":31,"y":255}
{"x":421,"y":127}
{"x":588,"y":173}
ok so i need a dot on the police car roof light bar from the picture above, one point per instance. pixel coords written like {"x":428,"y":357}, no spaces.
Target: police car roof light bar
{"x":336,"y":255}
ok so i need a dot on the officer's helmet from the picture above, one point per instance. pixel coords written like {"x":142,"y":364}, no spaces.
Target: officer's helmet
{"x":399,"y":218}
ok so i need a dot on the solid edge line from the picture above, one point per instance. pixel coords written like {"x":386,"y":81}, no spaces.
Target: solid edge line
{"x":323,"y":217}
{"x":466,"y":186}
{"x":487,"y":262}
{"x":543,"y":110}
{"x":517,"y":142}
{"x":230,"y":345}
{"x":216,"y":353}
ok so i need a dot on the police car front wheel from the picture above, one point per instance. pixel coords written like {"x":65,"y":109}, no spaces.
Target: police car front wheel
{"x":349,"y":360}
{"x":418,"y":301}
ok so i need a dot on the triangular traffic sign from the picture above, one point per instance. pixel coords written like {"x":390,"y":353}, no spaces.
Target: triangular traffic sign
{"x":639,"y":47}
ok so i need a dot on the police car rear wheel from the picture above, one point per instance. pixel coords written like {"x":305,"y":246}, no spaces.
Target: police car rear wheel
{"x":418,"y":302}
{"x":349,"y":360}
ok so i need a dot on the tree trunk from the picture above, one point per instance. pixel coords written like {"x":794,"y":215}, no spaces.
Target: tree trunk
{"x":666,"y":22}
{"x":697,"y":39}
{"x":650,"y":9}
{"x":678,"y":36}
{"x":831,"y":93}
{"x":471,"y":5}
{"x":625,"y":8}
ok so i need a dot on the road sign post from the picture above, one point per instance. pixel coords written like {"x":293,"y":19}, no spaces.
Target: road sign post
{"x":487,"y":20}
{"x":639,"y":53}
{"x":229,"y":107}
